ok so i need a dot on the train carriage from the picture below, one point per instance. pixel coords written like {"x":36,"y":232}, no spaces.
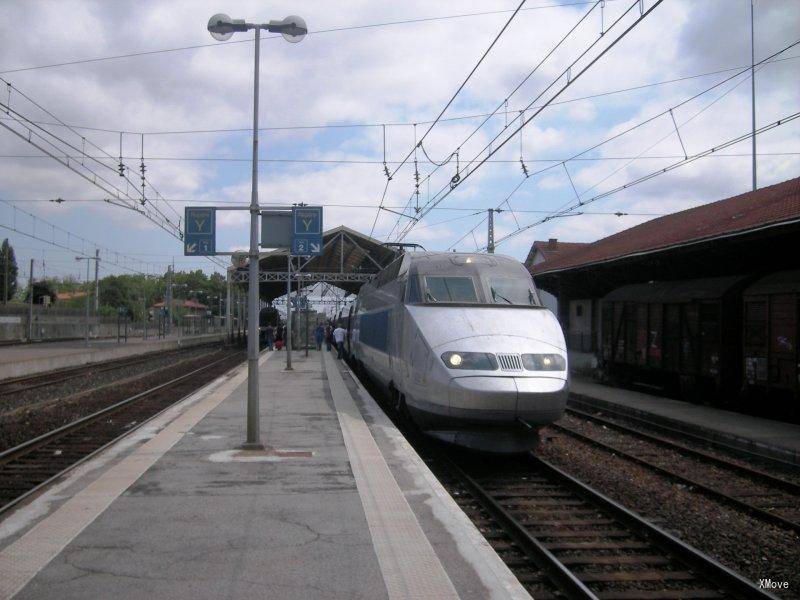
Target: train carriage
{"x":675,"y":334}
{"x":771,"y":313}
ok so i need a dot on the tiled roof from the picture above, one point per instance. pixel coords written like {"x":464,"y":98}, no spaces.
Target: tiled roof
{"x":752,"y":210}
{"x":553,"y":248}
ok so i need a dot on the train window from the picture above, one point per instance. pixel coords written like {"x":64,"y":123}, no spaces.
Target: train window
{"x":505,"y":290}
{"x":450,"y":289}
{"x":413,"y":290}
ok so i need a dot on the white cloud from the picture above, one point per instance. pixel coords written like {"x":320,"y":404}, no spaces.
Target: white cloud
{"x":390,"y":74}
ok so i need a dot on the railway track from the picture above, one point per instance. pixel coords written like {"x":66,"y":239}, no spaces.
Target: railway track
{"x":18,"y":385}
{"x":27,"y":468}
{"x":643,"y":423}
{"x":564,"y":539}
{"x":762,"y":495}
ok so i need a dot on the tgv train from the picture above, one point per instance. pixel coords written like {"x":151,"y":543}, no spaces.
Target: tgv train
{"x":465,"y":348}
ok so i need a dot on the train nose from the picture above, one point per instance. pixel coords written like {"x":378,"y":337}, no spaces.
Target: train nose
{"x":484,"y":399}
{"x":504,"y":399}
{"x":541,"y":399}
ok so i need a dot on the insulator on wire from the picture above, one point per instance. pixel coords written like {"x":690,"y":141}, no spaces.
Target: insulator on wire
{"x":385,"y":166}
{"x":120,"y":166}
{"x":142,"y":170}
{"x":456,"y":179}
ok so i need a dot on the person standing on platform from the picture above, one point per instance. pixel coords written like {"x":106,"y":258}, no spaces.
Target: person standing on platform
{"x":329,"y":336}
{"x":319,"y":333}
{"x":338,"y":336}
{"x":278,"y":337}
{"x":269,"y":334}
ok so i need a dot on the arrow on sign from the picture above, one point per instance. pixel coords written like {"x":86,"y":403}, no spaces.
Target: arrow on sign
{"x":314,"y":248}
{"x":191,"y":247}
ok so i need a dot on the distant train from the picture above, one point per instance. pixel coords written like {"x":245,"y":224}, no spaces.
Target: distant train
{"x":464,"y":347}
{"x":716,"y":340}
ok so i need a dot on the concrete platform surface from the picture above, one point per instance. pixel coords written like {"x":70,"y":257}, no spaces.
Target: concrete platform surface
{"x":28,"y":359}
{"x":339,"y":506}
{"x":774,"y":438}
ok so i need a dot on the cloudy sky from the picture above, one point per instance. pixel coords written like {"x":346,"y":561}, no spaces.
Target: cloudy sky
{"x":330,"y":103}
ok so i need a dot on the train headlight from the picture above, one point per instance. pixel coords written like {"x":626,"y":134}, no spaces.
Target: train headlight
{"x":473,"y":361}
{"x":544,"y":362}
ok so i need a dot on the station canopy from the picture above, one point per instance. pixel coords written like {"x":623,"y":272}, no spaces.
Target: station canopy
{"x":349,"y":259}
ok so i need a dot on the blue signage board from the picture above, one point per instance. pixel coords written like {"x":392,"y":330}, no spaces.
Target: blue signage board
{"x":200,"y":231}
{"x":306,"y":231}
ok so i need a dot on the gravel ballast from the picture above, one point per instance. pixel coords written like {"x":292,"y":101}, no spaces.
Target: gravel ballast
{"x":742,"y":543}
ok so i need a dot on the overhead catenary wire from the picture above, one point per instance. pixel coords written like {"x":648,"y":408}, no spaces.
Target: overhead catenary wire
{"x":654,"y":174}
{"x":744,"y":70}
{"x":475,"y":209}
{"x":119,"y":169}
{"x":370,"y":162}
{"x":418,"y":142}
{"x":389,"y":123}
{"x":311,"y":33}
{"x":647,"y":120}
{"x":118,"y":197}
{"x":503,"y":103}
{"x":570,"y":79}
{"x":69,"y":236}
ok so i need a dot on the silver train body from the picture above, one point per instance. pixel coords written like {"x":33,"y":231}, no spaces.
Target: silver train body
{"x":465,"y":347}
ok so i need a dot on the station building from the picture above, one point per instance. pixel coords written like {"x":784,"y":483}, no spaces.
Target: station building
{"x":668,"y":272}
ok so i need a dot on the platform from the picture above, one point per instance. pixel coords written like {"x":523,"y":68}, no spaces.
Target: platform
{"x":339,"y":507}
{"x":28,"y":359}
{"x":764,"y":436}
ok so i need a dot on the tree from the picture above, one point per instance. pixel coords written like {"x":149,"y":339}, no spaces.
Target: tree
{"x":40,"y":290}
{"x":8,"y":271}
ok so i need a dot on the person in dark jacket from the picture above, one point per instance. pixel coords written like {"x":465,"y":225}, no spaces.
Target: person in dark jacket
{"x":319,"y":334}
{"x":269,"y":335}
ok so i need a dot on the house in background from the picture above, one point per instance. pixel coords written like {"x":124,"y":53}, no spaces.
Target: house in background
{"x":542,"y":251}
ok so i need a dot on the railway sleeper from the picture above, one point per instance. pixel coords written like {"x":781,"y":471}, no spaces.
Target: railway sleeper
{"x":633,"y":559}
{"x":693,"y":594}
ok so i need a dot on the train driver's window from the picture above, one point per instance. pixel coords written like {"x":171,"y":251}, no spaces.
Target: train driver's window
{"x":412,"y":296}
{"x":450,"y":289}
{"x":505,"y":290}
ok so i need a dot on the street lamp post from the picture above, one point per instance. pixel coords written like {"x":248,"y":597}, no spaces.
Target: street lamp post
{"x":293,"y":29}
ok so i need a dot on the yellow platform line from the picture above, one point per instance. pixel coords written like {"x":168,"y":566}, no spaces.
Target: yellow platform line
{"x":408,"y":562}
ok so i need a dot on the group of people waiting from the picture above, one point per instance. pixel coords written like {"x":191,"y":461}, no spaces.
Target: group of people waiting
{"x":275,"y":337}
{"x":332,"y":336}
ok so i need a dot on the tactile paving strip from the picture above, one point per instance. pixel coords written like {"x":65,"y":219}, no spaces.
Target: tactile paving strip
{"x":408,"y":562}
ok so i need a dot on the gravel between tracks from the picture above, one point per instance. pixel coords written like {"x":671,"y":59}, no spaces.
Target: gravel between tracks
{"x":93,"y":379}
{"x":744,"y":544}
{"x":35,"y":418}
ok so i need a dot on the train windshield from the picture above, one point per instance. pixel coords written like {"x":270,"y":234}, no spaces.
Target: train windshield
{"x":450,"y":289}
{"x":512,"y":291}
